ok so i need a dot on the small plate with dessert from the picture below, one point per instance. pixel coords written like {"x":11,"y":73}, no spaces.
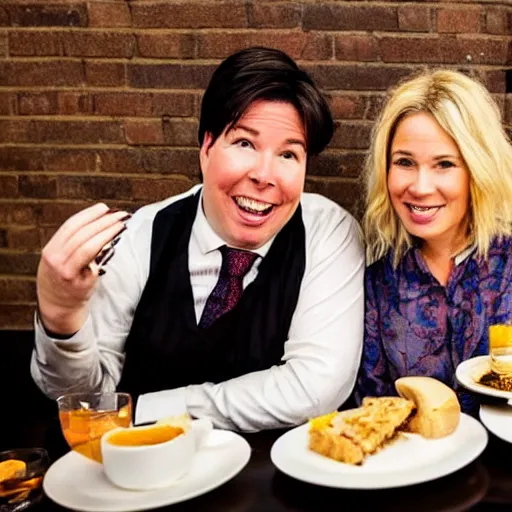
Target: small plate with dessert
{"x":476,"y":375}
{"x":387,"y":442}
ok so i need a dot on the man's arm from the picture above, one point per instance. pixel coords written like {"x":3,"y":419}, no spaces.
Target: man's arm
{"x":93,"y":357}
{"x":321,"y":356}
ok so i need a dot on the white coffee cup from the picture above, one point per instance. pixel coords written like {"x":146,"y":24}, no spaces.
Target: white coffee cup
{"x":145,"y":467}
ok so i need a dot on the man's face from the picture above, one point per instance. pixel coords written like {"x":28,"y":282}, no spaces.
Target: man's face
{"x":254,"y":174}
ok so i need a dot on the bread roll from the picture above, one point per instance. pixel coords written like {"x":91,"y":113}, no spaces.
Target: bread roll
{"x":437,"y":407}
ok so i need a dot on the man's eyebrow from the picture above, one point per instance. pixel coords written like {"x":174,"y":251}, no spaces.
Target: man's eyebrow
{"x":297,"y":141}
{"x":300,"y":142}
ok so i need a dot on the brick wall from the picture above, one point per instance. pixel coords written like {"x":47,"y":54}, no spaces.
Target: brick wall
{"x":99,"y":100}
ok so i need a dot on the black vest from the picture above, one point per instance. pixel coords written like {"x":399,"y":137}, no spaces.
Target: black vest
{"x":165,"y":348}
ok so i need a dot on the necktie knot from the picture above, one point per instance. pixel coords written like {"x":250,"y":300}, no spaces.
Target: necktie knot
{"x":236,"y":262}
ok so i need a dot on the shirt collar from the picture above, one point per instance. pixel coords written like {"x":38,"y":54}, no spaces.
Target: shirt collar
{"x":208,"y":240}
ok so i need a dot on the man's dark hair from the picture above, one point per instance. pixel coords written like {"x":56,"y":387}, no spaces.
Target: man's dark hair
{"x":264,"y":74}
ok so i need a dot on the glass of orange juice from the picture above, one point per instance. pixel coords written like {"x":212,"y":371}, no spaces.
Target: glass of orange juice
{"x":500,"y":348}
{"x":85,"y":417}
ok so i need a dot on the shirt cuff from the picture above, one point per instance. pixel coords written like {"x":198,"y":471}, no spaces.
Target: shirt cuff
{"x":152,"y":407}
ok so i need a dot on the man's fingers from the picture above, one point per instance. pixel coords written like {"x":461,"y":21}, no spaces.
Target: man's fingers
{"x":87,"y":252}
{"x":74,"y":224}
{"x":90,"y":231}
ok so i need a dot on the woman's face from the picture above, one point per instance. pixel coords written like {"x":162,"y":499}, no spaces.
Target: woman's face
{"x":428,"y":182}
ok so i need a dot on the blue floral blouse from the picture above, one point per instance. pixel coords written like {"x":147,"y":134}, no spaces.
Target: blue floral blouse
{"x":416,"y":326}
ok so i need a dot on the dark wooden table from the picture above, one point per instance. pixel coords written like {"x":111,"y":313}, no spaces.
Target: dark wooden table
{"x":485,"y":484}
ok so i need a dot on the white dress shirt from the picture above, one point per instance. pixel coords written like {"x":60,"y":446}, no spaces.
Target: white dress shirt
{"x":321,"y":356}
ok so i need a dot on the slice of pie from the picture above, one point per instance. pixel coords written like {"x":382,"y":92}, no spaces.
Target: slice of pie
{"x":349,"y":436}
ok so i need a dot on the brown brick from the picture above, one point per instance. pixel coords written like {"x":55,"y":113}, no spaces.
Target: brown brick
{"x":351,"y":136}
{"x":4,"y":45}
{"x":459,"y":20}
{"x":335,"y":163}
{"x":356,"y":77}
{"x":178,"y":132}
{"x":122,"y":104}
{"x":356,"y":47}
{"x":98,"y":44}
{"x":18,"y":263}
{"x":444,"y":49}
{"x":4,"y":243}
{"x":152,"y":190}
{"x":375,"y":104}
{"x":208,"y":14}
{"x":7,"y":103}
{"x":38,"y":186}
{"x":77,"y":132}
{"x":109,"y":14}
{"x":41,"y":159}
{"x":297,"y":45}
{"x":347,"y":193}
{"x":497,"y":21}
{"x":46,"y":234}
{"x":508,"y":109}
{"x":14,"y":130}
{"x":53,"y":73}
{"x":494,"y":79}
{"x":17,"y":213}
{"x":173,"y":104}
{"x":4,"y":16}
{"x":54,"y":213}
{"x":17,"y":316}
{"x":97,"y":188}
{"x":8,"y":186}
{"x":38,"y":103}
{"x":50,"y":15}
{"x":169,"y":75}
{"x":108,"y":74}
{"x":145,"y":133}
{"x":24,"y":238}
{"x":17,"y":290}
{"x":157,"y":161}
{"x":74,"y":103}
{"x":274,"y":16}
{"x":347,"y":106}
{"x":414,"y":18}
{"x":35,"y":43}
{"x":349,"y":17}
{"x":178,"y":45}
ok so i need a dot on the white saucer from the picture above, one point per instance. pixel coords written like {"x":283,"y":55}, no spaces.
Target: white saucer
{"x":79,"y":483}
{"x":475,"y":367}
{"x":498,"y":419}
{"x":409,"y":460}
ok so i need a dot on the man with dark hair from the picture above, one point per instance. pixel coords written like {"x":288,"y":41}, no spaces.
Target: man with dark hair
{"x":240,"y":300}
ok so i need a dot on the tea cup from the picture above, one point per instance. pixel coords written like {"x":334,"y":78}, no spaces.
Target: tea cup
{"x":151,"y":457}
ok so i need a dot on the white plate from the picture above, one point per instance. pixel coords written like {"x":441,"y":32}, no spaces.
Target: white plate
{"x":409,"y":460}
{"x":79,"y":483}
{"x":475,"y":367}
{"x":498,"y":419}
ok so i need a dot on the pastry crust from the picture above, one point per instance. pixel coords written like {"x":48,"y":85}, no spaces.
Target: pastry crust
{"x":349,"y":436}
{"x":437,"y":407}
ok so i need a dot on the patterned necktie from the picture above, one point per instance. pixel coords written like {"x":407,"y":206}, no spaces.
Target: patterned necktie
{"x":228,"y":290}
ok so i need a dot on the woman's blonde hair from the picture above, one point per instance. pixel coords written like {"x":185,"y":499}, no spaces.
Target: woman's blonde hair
{"x":466,"y":111}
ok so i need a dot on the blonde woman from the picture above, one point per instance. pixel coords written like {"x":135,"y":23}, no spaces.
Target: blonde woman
{"x":438,"y":230}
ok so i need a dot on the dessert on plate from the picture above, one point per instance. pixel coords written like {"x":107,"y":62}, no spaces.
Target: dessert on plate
{"x":425,"y":406}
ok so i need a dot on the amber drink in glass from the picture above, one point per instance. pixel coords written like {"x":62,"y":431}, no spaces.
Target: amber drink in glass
{"x":85,"y":417}
{"x":500,"y":348}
